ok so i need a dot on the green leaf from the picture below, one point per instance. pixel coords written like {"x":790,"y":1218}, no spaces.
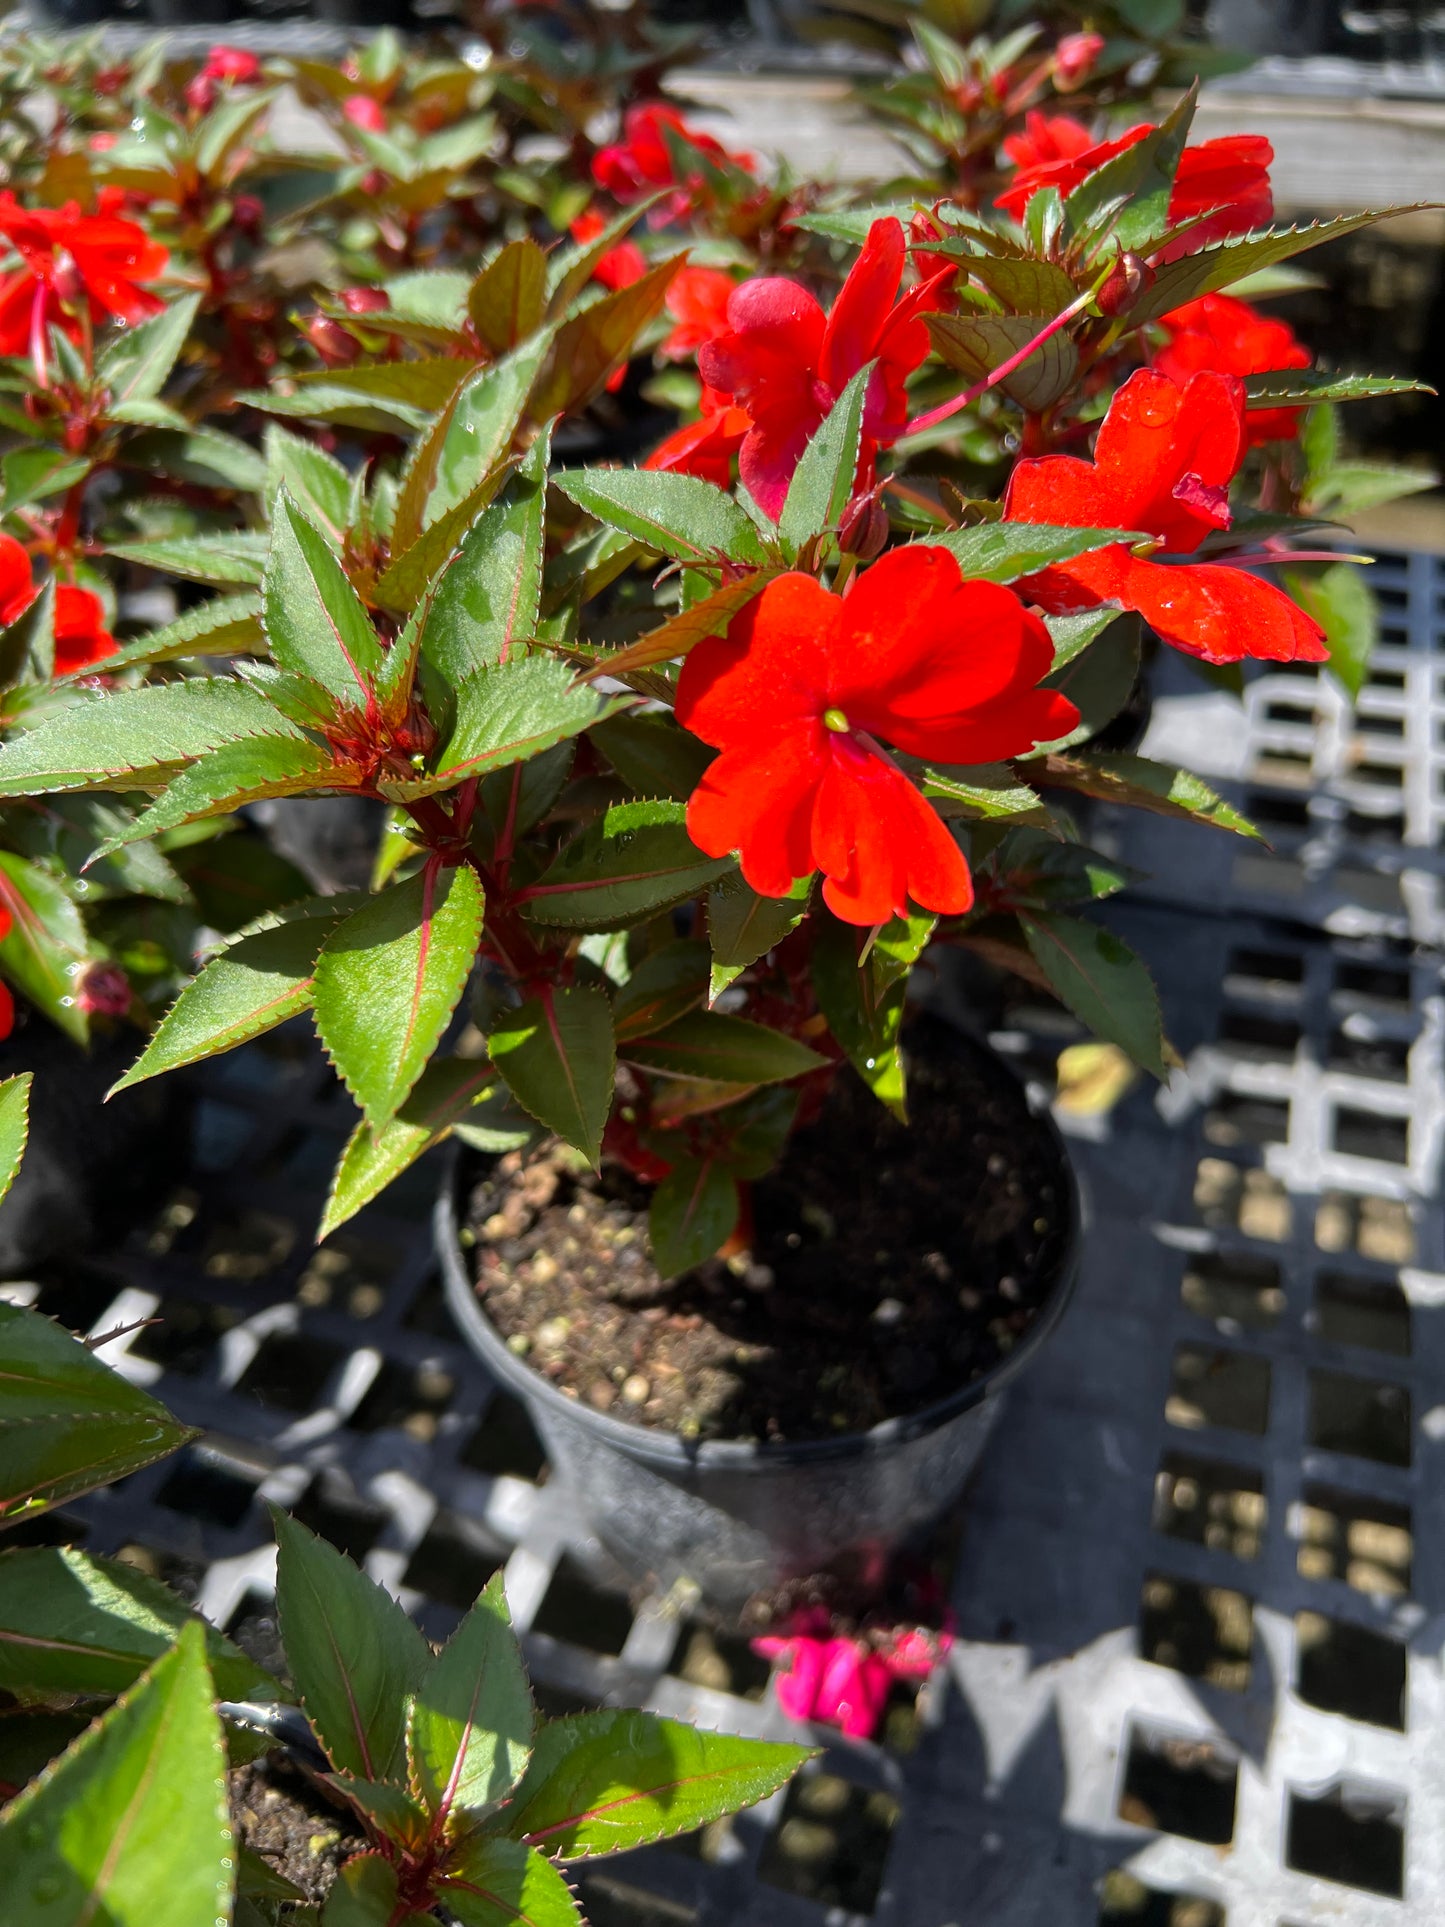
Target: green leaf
{"x":1038,"y":871}
{"x":129,"y":1827}
{"x":731,"y":1050}
{"x":316,"y":623}
{"x":693,"y":1213}
{"x":470,"y":1733}
{"x":136,"y":362}
{"x":635,"y":860}
{"x":234,"y":878}
{"x":204,"y":456}
{"x":508,"y":298}
{"x":143,"y":736}
{"x":316,"y":482}
{"x":73,"y":1624}
{"x":424,"y":385}
{"x":445,"y":1092}
{"x":604,"y":1782}
{"x":683,"y":632}
{"x":976,"y":344}
{"x":863,"y":1000}
{"x":239,"y":557}
{"x":653,"y":754}
{"x":469,"y":440}
{"x":1072,"y":634}
{"x":1343,"y":604}
{"x":501,"y":1883}
{"x":677,"y":515}
{"x":1349,"y":487}
{"x":224,"y":626}
{"x":14,"y":1126}
{"x":1008,"y":551}
{"x":1146,"y":785}
{"x":388,"y":979}
{"x":354,"y":1655}
{"x":822,"y":484}
{"x":556,"y":1056}
{"x":1128,"y":197}
{"x":662,"y":988}
{"x":1028,"y":286}
{"x":484,"y":608}
{"x":63,"y":831}
{"x":978,"y":790}
{"x":1221,"y":266}
{"x":1305,"y":385}
{"x":249,"y":988}
{"x":225,"y":779}
{"x":591,"y":344}
{"x":67,"y":1422}
{"x":406,"y":578}
{"x":507,"y":715}
{"x":45,"y":944}
{"x":390,"y":1808}
{"x":365,"y":1895}
{"x":1102,"y":981}
{"x":742,"y":926}
{"x":569,"y":269}
{"x":1099,"y":682}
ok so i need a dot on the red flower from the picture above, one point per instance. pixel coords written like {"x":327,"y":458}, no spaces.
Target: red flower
{"x":619,"y":267}
{"x":228,"y":66}
{"x":697,"y":300}
{"x":364,"y":112}
{"x":1162,"y":464}
{"x":805,"y":683}
{"x":81,"y":636}
{"x":7,"y":1000}
{"x":787,"y":362}
{"x":1074,"y":59}
{"x":1230,"y":175}
{"x":17,"y":590}
{"x":1222,"y":333}
{"x":68,"y":256}
{"x":705,"y":447}
{"x":641,"y":163}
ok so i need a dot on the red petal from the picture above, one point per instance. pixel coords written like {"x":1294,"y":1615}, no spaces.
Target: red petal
{"x":777,"y":335}
{"x":771,"y":666}
{"x":17,"y":590}
{"x":878,"y":842}
{"x":864,"y":301}
{"x":758,"y":800}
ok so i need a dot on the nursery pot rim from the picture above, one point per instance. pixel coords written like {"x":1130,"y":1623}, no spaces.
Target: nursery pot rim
{"x":669,"y":1449}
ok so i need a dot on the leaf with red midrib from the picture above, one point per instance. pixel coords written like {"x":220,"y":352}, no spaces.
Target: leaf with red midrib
{"x":556,"y":1056}
{"x":388,"y":979}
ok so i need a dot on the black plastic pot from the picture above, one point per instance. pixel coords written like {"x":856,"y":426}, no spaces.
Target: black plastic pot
{"x":738,"y":1518}
{"x":91,"y":1169}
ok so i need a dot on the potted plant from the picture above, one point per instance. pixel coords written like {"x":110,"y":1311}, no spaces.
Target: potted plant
{"x":128,"y":1748}
{"x":680,"y":775}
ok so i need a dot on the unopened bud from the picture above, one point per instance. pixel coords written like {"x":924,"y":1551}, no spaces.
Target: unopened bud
{"x":364,"y":300}
{"x":200,"y":92}
{"x":364,"y":112}
{"x":1131,"y":277}
{"x":1074,"y":59}
{"x":104,"y":990}
{"x":864,"y":530}
{"x":247,"y":214}
{"x":331,"y":341}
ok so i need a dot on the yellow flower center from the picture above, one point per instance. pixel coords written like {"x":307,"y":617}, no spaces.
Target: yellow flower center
{"x":834,"y":719}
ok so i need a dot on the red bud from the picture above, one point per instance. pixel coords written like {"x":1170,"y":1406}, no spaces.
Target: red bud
{"x":1130,"y":278}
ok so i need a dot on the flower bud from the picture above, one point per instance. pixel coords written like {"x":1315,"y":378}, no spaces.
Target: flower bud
{"x":200,"y":92}
{"x":1131,"y":277}
{"x":364,"y":300}
{"x":247,"y":214}
{"x":1074,"y":59}
{"x":104,"y":990}
{"x":363,"y":112}
{"x":331,"y":341}
{"x":864,"y":530}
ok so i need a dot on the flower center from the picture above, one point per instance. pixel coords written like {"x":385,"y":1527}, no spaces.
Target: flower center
{"x":835,"y":720}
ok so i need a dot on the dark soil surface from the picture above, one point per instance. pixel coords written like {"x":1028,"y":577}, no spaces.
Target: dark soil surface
{"x":889,"y":1265}
{"x":279,"y":1815}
